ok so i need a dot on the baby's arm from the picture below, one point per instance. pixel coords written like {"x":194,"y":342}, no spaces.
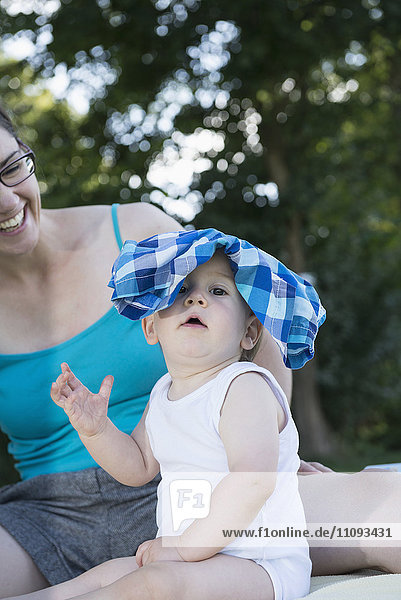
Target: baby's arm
{"x":128,"y":458}
{"x":249,"y":426}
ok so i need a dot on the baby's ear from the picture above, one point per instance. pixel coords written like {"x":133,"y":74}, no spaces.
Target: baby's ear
{"x":252,"y":334}
{"x":148,"y":328}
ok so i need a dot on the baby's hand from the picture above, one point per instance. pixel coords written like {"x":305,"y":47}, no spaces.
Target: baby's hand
{"x":153,"y":550}
{"x":87,"y":412}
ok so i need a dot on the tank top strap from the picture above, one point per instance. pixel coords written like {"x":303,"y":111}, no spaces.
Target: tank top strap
{"x":116,"y":226}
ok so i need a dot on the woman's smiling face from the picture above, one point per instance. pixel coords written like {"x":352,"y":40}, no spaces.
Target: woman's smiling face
{"x":19,"y":205}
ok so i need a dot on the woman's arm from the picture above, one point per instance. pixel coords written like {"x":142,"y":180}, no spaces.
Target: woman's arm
{"x":269,"y":357}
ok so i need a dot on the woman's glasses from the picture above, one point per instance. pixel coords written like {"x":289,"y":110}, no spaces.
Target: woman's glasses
{"x":19,"y":169}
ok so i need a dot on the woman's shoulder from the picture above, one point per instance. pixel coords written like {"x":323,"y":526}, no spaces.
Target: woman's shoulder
{"x":140,"y":220}
{"x":92,"y":215}
{"x":70,"y":225}
{"x":137,"y":220}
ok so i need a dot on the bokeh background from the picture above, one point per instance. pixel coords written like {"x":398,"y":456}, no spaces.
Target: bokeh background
{"x":278,"y":121}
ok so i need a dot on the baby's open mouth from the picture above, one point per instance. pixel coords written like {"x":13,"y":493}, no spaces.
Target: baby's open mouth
{"x":194,"y":321}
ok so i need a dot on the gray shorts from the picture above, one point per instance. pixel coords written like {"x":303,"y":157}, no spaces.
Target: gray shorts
{"x":70,"y":522}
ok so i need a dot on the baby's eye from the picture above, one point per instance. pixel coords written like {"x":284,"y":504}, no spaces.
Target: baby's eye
{"x":183,"y":289}
{"x":217,"y":291}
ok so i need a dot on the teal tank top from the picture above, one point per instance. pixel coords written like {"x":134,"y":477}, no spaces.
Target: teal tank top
{"x":41,"y":438}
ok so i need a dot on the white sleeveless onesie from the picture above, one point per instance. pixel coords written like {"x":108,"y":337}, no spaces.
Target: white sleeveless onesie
{"x":185,"y":440}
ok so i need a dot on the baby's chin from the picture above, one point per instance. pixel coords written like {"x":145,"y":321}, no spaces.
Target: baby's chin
{"x":197,"y":359}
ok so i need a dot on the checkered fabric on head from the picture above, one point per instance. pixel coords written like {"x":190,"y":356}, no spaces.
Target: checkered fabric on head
{"x":147,"y":276}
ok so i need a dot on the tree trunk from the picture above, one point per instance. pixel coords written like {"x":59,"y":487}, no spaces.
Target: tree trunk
{"x":316,"y":439}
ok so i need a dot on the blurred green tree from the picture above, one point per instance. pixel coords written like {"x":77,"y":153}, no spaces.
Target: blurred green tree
{"x":294,"y":108}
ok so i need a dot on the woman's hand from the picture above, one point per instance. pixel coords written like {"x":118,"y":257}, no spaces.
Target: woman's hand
{"x":87,"y":412}
{"x":310,"y":468}
{"x":153,"y":550}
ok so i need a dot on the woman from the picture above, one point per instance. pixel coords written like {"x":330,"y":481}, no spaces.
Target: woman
{"x":67,"y":515}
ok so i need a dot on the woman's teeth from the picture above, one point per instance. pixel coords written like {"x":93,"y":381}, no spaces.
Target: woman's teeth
{"x":13,"y":223}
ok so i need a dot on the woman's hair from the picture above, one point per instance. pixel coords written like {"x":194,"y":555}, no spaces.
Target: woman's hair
{"x":6,"y":123}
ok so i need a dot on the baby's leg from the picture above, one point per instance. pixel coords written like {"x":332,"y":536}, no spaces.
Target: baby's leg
{"x":216,"y":578}
{"x":91,"y":581}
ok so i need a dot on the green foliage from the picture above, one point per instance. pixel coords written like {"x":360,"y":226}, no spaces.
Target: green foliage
{"x":307,"y":95}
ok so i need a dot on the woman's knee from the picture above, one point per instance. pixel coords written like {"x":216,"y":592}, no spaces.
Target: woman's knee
{"x":108,"y":572}
{"x":162,"y":581}
{"x":18,"y":573}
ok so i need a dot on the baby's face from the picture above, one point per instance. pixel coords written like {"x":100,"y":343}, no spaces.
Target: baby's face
{"x":209,"y":318}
